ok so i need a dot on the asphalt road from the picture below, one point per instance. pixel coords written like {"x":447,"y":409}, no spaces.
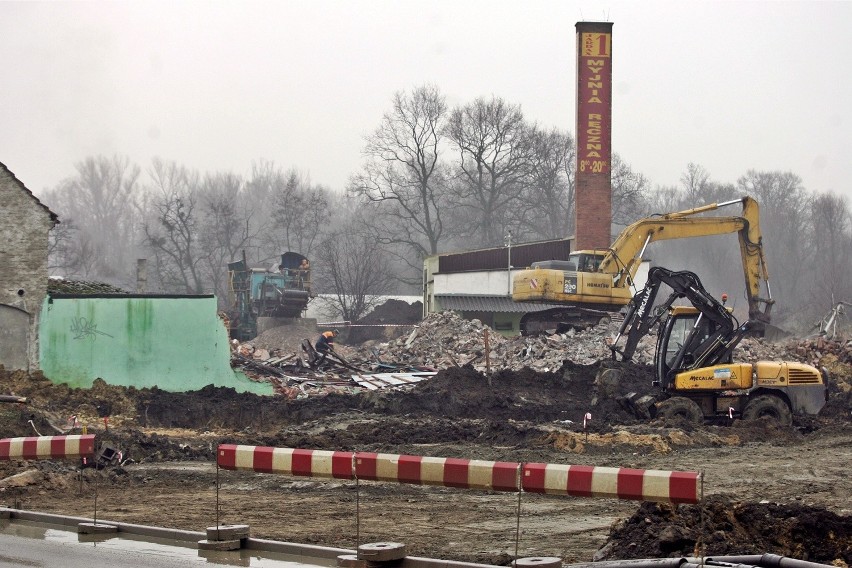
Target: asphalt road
{"x":25,"y":545}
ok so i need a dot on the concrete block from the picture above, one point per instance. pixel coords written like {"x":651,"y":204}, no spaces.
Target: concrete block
{"x":228,"y":532}
{"x":219,"y":544}
{"x":538,"y":562}
{"x":381,"y":551}
{"x":96,"y":528}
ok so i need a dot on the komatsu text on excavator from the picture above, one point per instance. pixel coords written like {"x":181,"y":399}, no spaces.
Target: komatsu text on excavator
{"x":694,"y":364}
{"x":595,"y":283}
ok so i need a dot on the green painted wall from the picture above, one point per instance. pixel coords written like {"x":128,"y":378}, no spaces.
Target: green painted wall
{"x":175,"y":343}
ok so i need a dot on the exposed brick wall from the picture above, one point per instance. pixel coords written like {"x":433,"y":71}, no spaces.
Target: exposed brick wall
{"x":24,"y":227}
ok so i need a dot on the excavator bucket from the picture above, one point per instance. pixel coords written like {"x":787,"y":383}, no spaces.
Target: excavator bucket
{"x":640,"y":406}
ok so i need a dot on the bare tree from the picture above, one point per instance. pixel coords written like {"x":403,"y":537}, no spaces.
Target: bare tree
{"x":173,"y":235}
{"x":493,"y":145}
{"x":72,"y":253}
{"x":629,"y":193}
{"x":402,"y":174}
{"x":301,"y":213}
{"x":100,"y":199}
{"x":695,"y":181}
{"x":292,"y":214}
{"x":784,"y":224}
{"x":64,"y":250}
{"x":545,"y":209}
{"x":831,"y":261}
{"x":355,"y":271}
{"x":227,"y":227}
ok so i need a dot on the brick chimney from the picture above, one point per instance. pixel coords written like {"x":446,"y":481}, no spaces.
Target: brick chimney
{"x":593,"y":190}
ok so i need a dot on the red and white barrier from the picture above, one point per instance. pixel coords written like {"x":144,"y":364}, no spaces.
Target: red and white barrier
{"x":48,"y":447}
{"x":447,"y":472}
{"x":612,"y":482}
{"x":553,"y":479}
{"x":287,"y":461}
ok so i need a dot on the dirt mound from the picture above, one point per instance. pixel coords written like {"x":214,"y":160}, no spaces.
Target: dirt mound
{"x":55,"y":408}
{"x":728,"y":527}
{"x":458,"y":392}
{"x":524,"y":395}
{"x":286,"y":339}
{"x":382,"y":324}
{"x":379,"y":325}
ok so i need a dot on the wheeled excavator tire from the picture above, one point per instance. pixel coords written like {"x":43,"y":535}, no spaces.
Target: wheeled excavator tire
{"x":768,"y":407}
{"x":680,"y":407}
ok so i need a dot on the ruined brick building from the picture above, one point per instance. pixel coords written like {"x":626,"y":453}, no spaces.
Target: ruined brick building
{"x":24,"y":226}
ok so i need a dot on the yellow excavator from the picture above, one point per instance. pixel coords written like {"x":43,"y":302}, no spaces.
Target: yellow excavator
{"x":694,"y":360}
{"x":593,"y":284}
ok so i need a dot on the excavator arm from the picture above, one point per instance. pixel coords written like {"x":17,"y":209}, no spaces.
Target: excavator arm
{"x":591,"y":283}
{"x":702,"y":349}
{"x":623,"y":258}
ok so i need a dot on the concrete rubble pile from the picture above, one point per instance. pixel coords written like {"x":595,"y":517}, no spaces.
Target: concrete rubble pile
{"x":446,"y":340}
{"x":440,"y":341}
{"x":813,"y":350}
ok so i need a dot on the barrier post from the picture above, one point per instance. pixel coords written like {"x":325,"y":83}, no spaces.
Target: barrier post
{"x":551,"y":479}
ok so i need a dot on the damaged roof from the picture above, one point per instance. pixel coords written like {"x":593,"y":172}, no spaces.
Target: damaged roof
{"x":57,"y":286}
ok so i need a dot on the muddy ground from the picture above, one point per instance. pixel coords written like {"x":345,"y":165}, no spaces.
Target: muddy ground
{"x":785,"y":491}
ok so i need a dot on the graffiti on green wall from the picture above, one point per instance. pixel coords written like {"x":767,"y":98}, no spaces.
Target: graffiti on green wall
{"x":82,"y":328}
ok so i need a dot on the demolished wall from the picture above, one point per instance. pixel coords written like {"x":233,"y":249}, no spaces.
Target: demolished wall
{"x":174,"y":343}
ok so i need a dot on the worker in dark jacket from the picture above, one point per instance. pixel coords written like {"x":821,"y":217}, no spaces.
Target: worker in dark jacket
{"x":325,"y":344}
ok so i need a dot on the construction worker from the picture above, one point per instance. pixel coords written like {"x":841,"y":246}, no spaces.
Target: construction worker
{"x":305,"y":274}
{"x":325,"y":344}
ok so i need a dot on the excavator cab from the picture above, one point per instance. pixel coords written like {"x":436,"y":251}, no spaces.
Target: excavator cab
{"x":588,"y":261}
{"x":683,"y":342}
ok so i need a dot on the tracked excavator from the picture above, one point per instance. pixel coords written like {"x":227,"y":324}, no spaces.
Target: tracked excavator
{"x":593,"y":284}
{"x":694,"y":365}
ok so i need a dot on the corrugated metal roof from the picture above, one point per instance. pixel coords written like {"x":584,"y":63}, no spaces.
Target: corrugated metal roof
{"x":476,"y":303}
{"x":384,"y":380}
{"x":523,"y":255}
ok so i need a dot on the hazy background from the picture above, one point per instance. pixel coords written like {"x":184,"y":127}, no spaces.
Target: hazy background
{"x":215,"y":86}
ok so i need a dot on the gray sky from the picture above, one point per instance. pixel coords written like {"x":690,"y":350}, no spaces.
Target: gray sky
{"x":216,"y":85}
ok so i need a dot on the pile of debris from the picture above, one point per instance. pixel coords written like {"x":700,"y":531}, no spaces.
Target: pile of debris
{"x":446,"y":341}
{"x":441,"y":341}
{"x":304,"y":373}
{"x":815,"y":349}
{"x":282,"y":340}
{"x":721,"y":527}
{"x":385,"y":322}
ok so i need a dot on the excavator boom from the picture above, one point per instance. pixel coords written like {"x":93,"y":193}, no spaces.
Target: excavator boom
{"x":604,"y":281}
{"x":626,"y":253}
